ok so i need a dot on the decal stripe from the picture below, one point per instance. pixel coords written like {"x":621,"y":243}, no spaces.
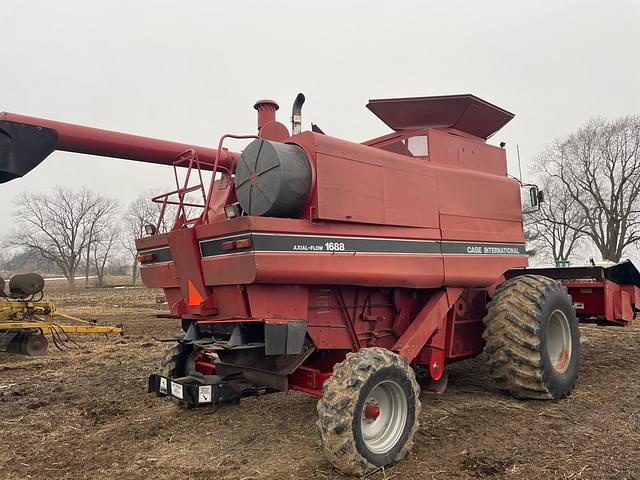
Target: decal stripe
{"x":262,"y":242}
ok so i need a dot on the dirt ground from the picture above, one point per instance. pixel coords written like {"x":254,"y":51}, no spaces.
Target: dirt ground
{"x":85,"y":414}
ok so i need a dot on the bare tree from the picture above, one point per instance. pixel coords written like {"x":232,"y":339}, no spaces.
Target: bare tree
{"x":556,"y":229}
{"x":102,"y":248}
{"x":598,"y":167}
{"x":4,"y":259}
{"x":54,"y":225}
{"x":117,"y":265}
{"x":135,"y":217}
{"x":98,"y":226}
{"x":531,"y":239}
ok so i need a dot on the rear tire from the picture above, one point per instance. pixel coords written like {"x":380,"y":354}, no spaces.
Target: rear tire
{"x":178,"y":361}
{"x":368,"y":414}
{"x":532,"y":339}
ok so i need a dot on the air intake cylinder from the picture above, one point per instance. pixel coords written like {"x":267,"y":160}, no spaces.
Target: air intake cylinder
{"x":273,"y":179}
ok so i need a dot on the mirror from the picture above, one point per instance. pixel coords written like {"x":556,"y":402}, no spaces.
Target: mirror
{"x":530,"y":197}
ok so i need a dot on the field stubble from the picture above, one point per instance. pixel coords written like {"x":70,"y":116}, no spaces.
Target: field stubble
{"x":85,"y":413}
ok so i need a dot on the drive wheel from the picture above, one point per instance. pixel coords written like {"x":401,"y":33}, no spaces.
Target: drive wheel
{"x":532,"y":338}
{"x":368,"y":414}
{"x":178,"y":361}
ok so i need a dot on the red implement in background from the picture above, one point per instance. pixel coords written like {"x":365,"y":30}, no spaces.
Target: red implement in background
{"x":600,"y":293}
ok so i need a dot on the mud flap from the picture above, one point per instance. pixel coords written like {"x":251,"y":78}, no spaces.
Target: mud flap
{"x":284,"y":337}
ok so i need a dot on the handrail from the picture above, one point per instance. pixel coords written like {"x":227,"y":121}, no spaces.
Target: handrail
{"x":209,"y":197}
{"x":181,"y":220}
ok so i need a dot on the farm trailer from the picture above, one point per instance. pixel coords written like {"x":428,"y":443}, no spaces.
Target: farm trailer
{"x":603,"y":294}
{"x":354,"y":272}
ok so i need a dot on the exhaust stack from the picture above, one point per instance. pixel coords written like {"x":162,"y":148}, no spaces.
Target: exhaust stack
{"x":296,"y":114}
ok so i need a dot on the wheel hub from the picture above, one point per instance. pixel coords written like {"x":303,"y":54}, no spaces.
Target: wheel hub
{"x":383,"y":416}
{"x":559,"y":344}
{"x":371,"y":411}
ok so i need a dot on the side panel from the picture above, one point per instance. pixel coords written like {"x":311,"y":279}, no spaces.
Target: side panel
{"x":349,"y":268}
{"x":465,"y":327}
{"x":478,"y":270}
{"x":458,"y":227}
{"x":476,"y":195}
{"x":344,"y":268}
{"x":278,"y":301}
{"x":410,"y":199}
{"x":352,"y":317}
{"x":357,"y":183}
{"x":341,"y":198}
{"x":469,"y":153}
{"x":229,"y":269}
{"x":231,"y":301}
{"x":482,"y":207}
{"x":159,"y":275}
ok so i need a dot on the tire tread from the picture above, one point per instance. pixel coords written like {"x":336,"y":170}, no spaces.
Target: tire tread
{"x":340,"y":394}
{"x":512,"y":335}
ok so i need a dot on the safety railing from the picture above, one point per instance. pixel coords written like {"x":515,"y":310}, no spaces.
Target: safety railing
{"x":184,"y":216}
{"x":179,"y":197}
{"x":209,"y":196}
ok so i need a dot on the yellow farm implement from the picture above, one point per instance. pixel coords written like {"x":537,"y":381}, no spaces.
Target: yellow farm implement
{"x":24,"y":324}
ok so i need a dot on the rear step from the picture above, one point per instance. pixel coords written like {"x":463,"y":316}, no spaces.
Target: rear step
{"x":197,"y":390}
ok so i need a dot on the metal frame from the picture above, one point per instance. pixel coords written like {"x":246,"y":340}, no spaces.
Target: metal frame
{"x":18,"y":317}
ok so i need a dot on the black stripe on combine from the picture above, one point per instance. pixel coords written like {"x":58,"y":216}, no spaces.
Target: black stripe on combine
{"x":159,"y":254}
{"x":483,"y":248}
{"x":304,"y":243}
{"x":210,"y":248}
{"x":263,"y":242}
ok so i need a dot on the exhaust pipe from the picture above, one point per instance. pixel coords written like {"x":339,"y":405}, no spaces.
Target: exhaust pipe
{"x":296,"y":114}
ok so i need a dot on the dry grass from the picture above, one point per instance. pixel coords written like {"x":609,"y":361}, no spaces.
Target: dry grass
{"x":85,"y":414}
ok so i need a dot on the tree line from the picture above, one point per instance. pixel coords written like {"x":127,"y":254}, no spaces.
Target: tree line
{"x":591,"y":182}
{"x":77,"y":232}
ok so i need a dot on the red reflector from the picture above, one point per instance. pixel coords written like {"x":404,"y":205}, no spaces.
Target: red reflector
{"x":144,"y":257}
{"x":230,"y":245}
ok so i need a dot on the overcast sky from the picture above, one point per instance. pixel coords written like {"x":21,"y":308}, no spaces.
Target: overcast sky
{"x":191,"y":70}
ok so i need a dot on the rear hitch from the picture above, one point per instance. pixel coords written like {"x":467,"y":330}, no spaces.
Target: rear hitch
{"x":198,"y":390}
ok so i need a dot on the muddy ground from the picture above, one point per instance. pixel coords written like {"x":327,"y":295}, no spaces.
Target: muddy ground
{"x":85,"y":414}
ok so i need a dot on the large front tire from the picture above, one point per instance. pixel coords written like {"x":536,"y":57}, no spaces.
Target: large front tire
{"x":368,"y":414}
{"x":532,"y":339}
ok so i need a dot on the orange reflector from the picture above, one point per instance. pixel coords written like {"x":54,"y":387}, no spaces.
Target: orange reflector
{"x":243,"y":243}
{"x":235,"y":244}
{"x":144,"y":257}
{"x":195,"y":298}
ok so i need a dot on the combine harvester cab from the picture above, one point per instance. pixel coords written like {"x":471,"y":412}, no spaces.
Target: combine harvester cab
{"x":355,"y":272}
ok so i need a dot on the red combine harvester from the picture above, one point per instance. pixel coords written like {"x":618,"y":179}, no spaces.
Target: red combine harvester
{"x":354,"y":272}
